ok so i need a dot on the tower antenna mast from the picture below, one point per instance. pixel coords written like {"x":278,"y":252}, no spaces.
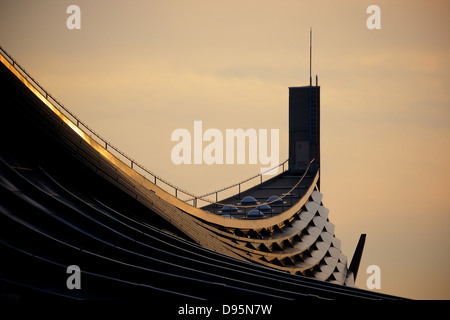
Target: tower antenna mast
{"x":310,"y":56}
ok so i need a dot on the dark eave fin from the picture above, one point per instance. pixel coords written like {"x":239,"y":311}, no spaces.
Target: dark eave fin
{"x":354,"y":265}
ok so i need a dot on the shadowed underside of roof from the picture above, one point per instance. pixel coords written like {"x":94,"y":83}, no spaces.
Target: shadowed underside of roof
{"x":65,"y":200}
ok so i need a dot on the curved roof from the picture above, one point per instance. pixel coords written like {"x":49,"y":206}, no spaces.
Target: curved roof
{"x":69,"y":199}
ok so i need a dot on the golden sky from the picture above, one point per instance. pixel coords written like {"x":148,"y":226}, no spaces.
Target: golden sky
{"x":137,"y":70}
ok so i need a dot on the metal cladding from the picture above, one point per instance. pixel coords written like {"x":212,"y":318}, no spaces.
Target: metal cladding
{"x":69,"y":197}
{"x":302,"y":243}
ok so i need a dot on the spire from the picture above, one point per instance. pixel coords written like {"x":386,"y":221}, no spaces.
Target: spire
{"x":310,"y":56}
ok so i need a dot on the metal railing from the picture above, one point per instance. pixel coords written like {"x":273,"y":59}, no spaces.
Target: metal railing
{"x":239,"y":186}
{"x":264,"y":203}
{"x":133,"y":164}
